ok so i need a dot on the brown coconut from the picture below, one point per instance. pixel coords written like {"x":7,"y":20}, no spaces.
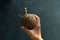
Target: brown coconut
{"x":29,"y":21}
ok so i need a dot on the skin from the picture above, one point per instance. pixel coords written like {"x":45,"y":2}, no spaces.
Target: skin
{"x":35,"y":33}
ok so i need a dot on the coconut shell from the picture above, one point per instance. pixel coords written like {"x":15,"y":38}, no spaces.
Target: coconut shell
{"x":29,"y":21}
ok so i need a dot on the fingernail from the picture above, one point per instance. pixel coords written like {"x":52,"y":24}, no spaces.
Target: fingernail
{"x":22,"y":27}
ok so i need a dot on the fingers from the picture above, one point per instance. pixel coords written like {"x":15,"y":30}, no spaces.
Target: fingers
{"x":26,"y":30}
{"x":37,"y":18}
{"x":38,"y":22}
{"x":29,"y":32}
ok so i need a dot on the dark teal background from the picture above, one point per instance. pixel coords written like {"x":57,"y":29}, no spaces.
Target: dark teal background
{"x":48,"y":10}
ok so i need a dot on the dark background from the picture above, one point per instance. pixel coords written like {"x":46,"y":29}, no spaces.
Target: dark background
{"x":48,"y":10}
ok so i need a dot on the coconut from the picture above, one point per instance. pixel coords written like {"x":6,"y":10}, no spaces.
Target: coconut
{"x":29,"y":21}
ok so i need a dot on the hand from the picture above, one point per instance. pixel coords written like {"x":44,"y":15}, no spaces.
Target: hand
{"x":35,"y":33}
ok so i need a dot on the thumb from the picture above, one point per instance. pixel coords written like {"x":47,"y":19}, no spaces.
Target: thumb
{"x":25,"y":29}
{"x":29,"y":32}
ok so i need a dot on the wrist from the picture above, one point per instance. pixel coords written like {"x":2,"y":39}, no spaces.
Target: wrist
{"x":38,"y":39}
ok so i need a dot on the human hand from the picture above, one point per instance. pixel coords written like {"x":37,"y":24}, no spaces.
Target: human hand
{"x":35,"y":33}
